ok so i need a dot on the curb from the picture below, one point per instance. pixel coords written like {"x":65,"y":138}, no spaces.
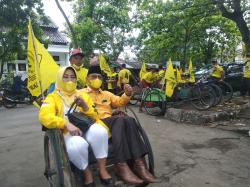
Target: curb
{"x":196,"y":117}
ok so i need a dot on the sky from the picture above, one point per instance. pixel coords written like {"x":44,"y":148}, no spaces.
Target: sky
{"x":51,"y":10}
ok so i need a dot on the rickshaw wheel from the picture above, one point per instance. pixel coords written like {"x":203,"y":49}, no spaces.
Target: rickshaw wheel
{"x":57,"y":168}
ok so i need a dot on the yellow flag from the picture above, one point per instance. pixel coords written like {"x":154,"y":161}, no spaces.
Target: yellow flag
{"x":191,"y":72}
{"x":178,"y":76}
{"x":181,"y":71}
{"x":104,"y":66}
{"x":170,"y":79}
{"x":143,"y":70}
{"x":42,"y":68}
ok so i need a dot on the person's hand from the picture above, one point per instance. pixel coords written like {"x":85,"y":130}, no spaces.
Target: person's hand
{"x":73,"y":130}
{"x":81,"y":103}
{"x":128,"y":90}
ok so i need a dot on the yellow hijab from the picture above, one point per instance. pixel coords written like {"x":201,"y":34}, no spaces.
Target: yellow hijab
{"x":67,"y":97}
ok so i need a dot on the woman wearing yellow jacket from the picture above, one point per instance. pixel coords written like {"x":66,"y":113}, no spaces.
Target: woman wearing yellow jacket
{"x":53,"y":115}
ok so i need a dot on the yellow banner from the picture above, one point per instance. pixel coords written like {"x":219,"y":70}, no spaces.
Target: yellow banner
{"x":178,"y":76}
{"x":191,"y":72}
{"x":143,"y":70}
{"x":104,"y":66}
{"x":170,"y":80}
{"x":42,"y":68}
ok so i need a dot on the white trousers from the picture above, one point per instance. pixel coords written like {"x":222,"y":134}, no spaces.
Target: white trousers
{"x":77,"y":146}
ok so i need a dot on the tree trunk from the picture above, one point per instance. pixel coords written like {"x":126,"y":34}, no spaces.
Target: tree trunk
{"x":238,"y":18}
{"x":247,"y":43}
{"x":75,"y":44}
{"x":1,"y":69}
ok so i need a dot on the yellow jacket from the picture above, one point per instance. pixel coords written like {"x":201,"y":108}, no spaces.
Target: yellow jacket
{"x":105,"y":101}
{"x":217,"y":71}
{"x":81,"y":76}
{"x":247,"y":70}
{"x":124,"y":76}
{"x":150,"y":77}
{"x":51,"y":113}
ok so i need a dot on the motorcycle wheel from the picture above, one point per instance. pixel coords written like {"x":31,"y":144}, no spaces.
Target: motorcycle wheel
{"x":8,"y":104}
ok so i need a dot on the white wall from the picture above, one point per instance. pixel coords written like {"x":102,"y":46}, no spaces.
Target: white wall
{"x":55,"y":50}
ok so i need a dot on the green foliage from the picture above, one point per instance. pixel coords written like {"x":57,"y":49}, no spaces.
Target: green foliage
{"x":184,"y":29}
{"x":238,"y":12}
{"x":102,"y":25}
{"x":177,"y":29}
{"x":13,"y":18}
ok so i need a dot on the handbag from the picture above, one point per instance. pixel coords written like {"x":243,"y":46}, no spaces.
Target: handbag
{"x":79,"y":119}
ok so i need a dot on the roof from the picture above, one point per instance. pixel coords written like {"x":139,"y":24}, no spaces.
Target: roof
{"x":50,"y":30}
{"x":48,"y":24}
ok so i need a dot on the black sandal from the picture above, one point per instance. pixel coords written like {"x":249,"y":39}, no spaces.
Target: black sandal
{"x":107,"y":182}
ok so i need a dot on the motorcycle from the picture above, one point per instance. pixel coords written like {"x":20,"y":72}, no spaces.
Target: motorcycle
{"x":10,"y":99}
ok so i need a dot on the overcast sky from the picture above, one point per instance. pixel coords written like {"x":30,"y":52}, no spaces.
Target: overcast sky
{"x":51,"y":10}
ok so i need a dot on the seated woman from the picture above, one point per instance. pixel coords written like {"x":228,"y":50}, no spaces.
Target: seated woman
{"x":52,"y":115}
{"x":127,"y":144}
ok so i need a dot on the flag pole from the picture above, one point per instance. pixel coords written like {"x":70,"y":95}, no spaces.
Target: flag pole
{"x":36,"y":64}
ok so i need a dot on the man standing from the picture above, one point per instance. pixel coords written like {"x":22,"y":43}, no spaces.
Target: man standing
{"x":218,"y":71}
{"x":123,"y":76}
{"x":246,"y":78}
{"x":76,"y":60}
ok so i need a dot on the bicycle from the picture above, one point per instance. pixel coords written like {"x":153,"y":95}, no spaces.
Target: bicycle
{"x":199,"y":95}
{"x":226,"y":88}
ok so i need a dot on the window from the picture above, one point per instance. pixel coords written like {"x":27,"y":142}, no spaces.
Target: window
{"x":21,"y":67}
{"x":11,"y":67}
{"x":56,"y":58}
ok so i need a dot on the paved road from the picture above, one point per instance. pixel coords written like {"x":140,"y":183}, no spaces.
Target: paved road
{"x":185,"y":155}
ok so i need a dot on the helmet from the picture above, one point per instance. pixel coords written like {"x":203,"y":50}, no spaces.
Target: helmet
{"x":75,"y":52}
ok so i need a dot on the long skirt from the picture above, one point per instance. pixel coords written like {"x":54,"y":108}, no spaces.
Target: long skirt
{"x":126,"y":140}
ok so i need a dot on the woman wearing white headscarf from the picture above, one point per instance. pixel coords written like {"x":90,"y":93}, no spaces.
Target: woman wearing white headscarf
{"x":53,"y":115}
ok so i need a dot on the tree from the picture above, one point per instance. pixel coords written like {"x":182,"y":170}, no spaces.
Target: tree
{"x":72,"y":32}
{"x":102,"y":25}
{"x":182,"y":29}
{"x":237,"y":11}
{"x":14,"y":18}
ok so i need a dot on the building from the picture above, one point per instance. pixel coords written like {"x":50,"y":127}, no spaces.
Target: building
{"x":58,"y":48}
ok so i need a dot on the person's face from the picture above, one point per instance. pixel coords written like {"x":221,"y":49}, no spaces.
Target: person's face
{"x":77,"y":60}
{"x":94,"y":81}
{"x":69,"y":75}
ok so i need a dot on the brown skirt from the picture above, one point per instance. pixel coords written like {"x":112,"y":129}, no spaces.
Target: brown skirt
{"x":126,"y":140}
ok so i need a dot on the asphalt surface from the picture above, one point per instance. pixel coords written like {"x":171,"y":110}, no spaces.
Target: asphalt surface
{"x":185,"y":155}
